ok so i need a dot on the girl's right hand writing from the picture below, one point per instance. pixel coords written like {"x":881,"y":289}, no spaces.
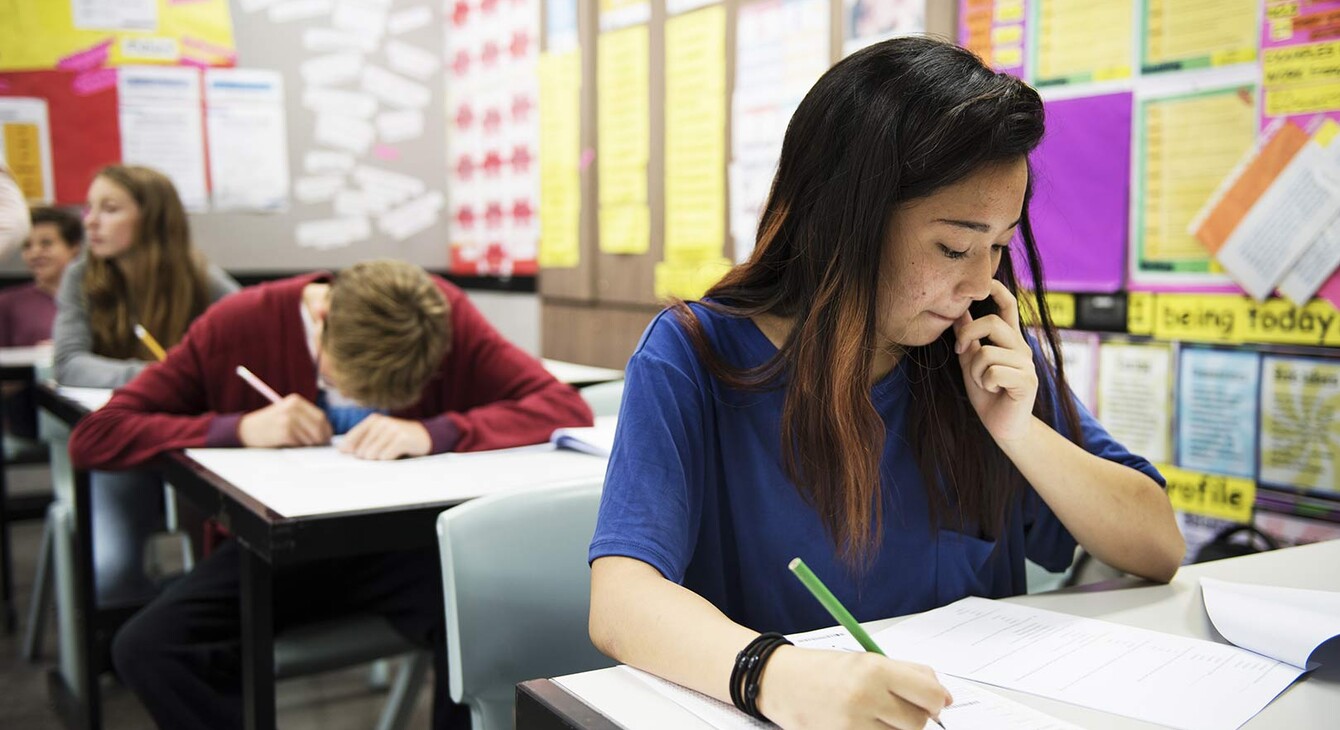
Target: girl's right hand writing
{"x":839,"y":690}
{"x":293,"y":421}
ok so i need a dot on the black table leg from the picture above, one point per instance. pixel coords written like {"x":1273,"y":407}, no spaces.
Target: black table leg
{"x":258,"y":654}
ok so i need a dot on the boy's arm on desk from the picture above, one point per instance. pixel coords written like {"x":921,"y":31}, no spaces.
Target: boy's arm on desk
{"x":162,"y":409}
{"x":507,"y":398}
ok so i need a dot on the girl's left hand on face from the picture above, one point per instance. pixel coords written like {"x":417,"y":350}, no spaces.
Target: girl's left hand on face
{"x":1000,"y":377}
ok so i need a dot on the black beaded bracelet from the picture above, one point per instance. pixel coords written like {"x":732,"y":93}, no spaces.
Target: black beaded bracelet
{"x":748,"y":669}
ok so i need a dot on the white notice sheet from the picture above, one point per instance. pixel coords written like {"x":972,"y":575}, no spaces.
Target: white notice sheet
{"x":162,"y":126}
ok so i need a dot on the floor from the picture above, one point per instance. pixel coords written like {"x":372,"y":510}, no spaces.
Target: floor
{"x":342,"y":700}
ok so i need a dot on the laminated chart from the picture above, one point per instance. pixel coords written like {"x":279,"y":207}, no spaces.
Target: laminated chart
{"x":695,"y":153}
{"x":623,"y":134}
{"x":81,"y":35}
{"x":1300,"y":60}
{"x":1187,"y":34}
{"x":1216,"y":411}
{"x":1073,"y":41}
{"x":1300,"y":431}
{"x":994,"y":30}
{"x":1186,"y":144}
{"x":560,"y":158}
{"x":25,"y":146}
{"x":1135,"y":396}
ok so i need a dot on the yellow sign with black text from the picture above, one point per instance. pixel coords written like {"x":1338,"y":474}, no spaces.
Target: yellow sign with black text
{"x":1210,"y":495}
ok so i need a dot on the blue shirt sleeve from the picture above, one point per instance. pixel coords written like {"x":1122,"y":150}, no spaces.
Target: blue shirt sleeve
{"x":652,"y":502}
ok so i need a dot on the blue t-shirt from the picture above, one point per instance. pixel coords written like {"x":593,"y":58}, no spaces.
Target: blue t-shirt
{"x":696,"y":489}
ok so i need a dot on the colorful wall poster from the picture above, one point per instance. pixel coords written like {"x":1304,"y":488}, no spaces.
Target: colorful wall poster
{"x":560,"y":159}
{"x":781,"y":48}
{"x":560,"y":26}
{"x":82,"y":113}
{"x":865,"y":22}
{"x":1178,"y":35}
{"x":1079,"y":352}
{"x":1300,"y":431}
{"x":996,"y":30}
{"x":25,"y":146}
{"x":1081,"y":194}
{"x":1074,"y":41}
{"x":79,"y":35}
{"x":1216,"y":411}
{"x":1186,"y":143}
{"x":1135,"y":396}
{"x":695,"y":141}
{"x":623,"y":134}
{"x":493,"y":144}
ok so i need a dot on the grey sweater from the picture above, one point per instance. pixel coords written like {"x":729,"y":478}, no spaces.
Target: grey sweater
{"x":75,"y":362}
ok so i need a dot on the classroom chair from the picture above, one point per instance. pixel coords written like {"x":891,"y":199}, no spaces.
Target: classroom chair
{"x":517,"y":590}
{"x":604,"y":398}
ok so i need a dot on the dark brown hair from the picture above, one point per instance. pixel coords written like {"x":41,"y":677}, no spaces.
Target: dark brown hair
{"x":161,"y":286}
{"x":889,"y":124}
{"x":67,"y":223}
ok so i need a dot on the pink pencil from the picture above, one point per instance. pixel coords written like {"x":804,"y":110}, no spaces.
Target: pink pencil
{"x":258,"y":384}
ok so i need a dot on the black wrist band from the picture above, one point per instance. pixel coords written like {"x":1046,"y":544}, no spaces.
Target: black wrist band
{"x":748,"y":669}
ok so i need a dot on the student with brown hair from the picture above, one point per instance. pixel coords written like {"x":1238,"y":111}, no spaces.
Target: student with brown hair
{"x":396,"y":359}
{"x":140,"y":268}
{"x":861,"y":394}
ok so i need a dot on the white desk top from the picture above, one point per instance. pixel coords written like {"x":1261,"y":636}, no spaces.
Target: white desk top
{"x":571,"y":372}
{"x":28,"y":356}
{"x":321,"y":481}
{"x":1176,"y":608}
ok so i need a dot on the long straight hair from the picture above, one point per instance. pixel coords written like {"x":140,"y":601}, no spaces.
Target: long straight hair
{"x":889,"y":124}
{"x":160,"y":284}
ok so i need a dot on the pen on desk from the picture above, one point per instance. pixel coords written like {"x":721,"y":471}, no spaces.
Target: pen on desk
{"x":258,"y":384}
{"x":150,"y":342}
{"x":836,"y":609}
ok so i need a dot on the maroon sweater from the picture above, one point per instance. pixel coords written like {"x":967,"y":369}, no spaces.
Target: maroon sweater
{"x":488,"y":394}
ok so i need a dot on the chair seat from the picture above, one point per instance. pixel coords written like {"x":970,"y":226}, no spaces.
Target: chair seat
{"x":347,"y":641}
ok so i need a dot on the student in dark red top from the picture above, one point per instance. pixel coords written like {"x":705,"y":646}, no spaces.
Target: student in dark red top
{"x":397,"y":360}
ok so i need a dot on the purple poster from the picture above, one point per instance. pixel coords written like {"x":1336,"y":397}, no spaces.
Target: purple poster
{"x":1081,"y":193}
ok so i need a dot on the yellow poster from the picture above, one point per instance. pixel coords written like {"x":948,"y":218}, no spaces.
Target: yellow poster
{"x":695,"y":137}
{"x":78,"y":36}
{"x":623,"y":129}
{"x":1185,"y":146}
{"x":1210,"y":495}
{"x":25,"y":146}
{"x":1185,"y":35}
{"x":560,"y":159}
{"x":1082,"y":40}
{"x":1300,"y":431}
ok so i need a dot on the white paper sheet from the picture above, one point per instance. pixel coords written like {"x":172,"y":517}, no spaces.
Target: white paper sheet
{"x":339,"y":101}
{"x":332,"y":68}
{"x":332,"y":232}
{"x":1282,"y":623}
{"x":325,"y":40}
{"x":317,"y":188}
{"x":290,"y":10}
{"x":399,"y":126}
{"x":297,"y":482}
{"x":597,"y":439}
{"x":114,"y":14}
{"x":411,"y":60}
{"x":394,"y":89}
{"x":162,"y":126}
{"x":1135,"y":395}
{"x":248,"y":139}
{"x":403,"y":21}
{"x":364,"y":18}
{"x":317,"y":162}
{"x":344,"y":132}
{"x":90,"y":398}
{"x":1148,"y":675}
{"x":1315,"y":266}
{"x":1284,"y":221}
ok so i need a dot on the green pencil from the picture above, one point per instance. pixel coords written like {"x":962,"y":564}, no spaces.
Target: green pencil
{"x":835,"y":607}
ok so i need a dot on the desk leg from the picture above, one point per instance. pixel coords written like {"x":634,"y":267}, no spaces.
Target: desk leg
{"x":85,"y":601}
{"x":6,"y":554}
{"x":258,"y":654}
